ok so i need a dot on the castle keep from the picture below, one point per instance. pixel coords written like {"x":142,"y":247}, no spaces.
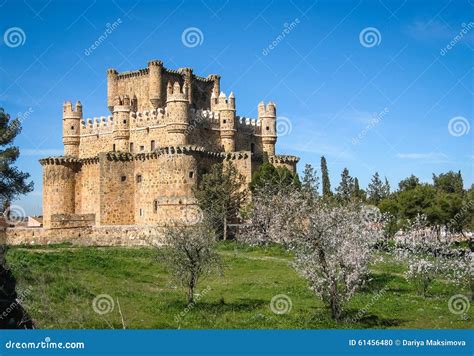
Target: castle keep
{"x":138,"y":165}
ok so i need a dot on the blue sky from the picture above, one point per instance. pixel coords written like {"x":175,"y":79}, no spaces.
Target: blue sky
{"x":372,"y":85}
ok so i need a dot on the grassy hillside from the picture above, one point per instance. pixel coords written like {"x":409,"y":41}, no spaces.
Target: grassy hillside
{"x":61,"y":282}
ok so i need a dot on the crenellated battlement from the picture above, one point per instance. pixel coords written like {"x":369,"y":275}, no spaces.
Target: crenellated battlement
{"x":222,"y":103}
{"x":147,"y":118}
{"x":283,"y":159}
{"x":177,"y":92}
{"x":130,"y":74}
{"x":59,"y":161}
{"x":97,"y":125}
{"x":248,"y":125}
{"x":72,"y":112}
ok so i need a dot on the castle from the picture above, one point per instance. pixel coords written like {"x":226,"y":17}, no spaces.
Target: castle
{"x":138,"y":165}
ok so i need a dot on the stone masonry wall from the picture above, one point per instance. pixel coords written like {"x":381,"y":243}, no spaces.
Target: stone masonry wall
{"x":92,"y":236}
{"x":163,"y":187}
{"x":68,"y":221}
{"x":87,"y":189}
{"x":117,"y":191}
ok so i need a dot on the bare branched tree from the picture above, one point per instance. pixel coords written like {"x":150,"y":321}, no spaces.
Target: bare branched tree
{"x":190,"y":255}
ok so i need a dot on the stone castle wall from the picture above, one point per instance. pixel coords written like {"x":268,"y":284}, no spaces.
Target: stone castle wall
{"x":117,"y":189}
{"x":87,"y":188}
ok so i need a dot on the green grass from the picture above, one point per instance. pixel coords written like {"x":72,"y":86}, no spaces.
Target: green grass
{"x":61,"y":282}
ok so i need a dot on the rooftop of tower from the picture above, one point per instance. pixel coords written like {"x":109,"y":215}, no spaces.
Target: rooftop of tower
{"x":145,"y":71}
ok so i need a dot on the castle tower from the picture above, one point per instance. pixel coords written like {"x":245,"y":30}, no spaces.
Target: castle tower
{"x":226,"y":109}
{"x":121,"y":123}
{"x":112,"y":88}
{"x":71,"y":128}
{"x":155,"y":70}
{"x":58,"y":187}
{"x":267,"y":117}
{"x":177,"y":114}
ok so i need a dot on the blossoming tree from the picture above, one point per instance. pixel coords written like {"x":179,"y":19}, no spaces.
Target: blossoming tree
{"x":332,"y":244}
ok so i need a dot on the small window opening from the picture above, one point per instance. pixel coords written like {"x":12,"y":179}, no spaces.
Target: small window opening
{"x":139,"y":178}
{"x":142,"y":148}
{"x":131,"y":146}
{"x":72,"y":127}
{"x":113,"y":147}
{"x":123,"y":178}
{"x":153,"y":145}
{"x":268,"y":128}
{"x":191,"y":174}
{"x":141,"y":212}
{"x":155,"y":206}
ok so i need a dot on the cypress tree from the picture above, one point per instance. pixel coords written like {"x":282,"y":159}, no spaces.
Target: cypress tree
{"x":325,"y":178}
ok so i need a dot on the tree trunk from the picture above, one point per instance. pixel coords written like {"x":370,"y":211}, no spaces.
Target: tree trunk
{"x":190,"y":294}
{"x":335,"y":309}
{"x":225,"y":227}
{"x":334,"y":303}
